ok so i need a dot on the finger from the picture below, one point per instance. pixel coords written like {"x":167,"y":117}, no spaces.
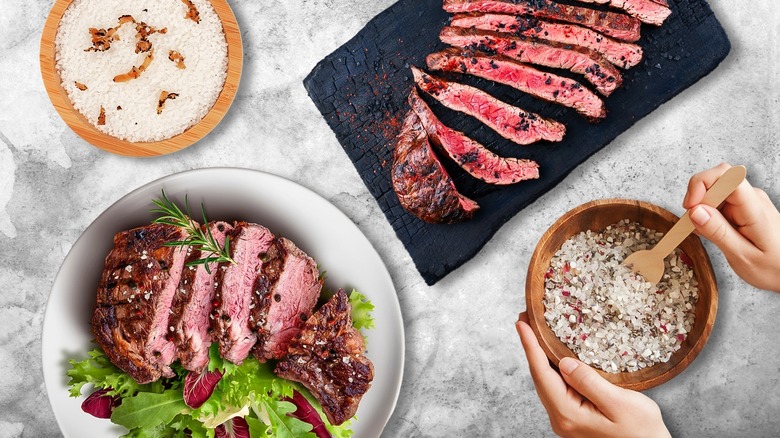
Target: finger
{"x":700,"y":182}
{"x":586,"y":381}
{"x":523,"y":316}
{"x":711,"y":224}
{"x":549,"y":384}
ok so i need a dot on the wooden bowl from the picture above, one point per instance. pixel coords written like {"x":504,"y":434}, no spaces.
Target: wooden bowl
{"x":81,"y":126}
{"x":597,"y":215}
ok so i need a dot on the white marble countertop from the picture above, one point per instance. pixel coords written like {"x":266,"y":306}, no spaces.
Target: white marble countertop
{"x":465,"y":373}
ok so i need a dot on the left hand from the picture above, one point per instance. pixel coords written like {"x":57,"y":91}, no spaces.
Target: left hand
{"x":581,"y":403}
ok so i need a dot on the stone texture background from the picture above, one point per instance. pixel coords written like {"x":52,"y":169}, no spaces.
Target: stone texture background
{"x":465,"y":373}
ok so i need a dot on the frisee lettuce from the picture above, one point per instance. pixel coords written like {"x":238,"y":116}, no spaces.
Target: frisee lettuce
{"x":251,"y":390}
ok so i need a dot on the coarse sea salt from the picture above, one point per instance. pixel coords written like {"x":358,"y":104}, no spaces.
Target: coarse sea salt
{"x":129,"y":110}
{"x":609,"y":316}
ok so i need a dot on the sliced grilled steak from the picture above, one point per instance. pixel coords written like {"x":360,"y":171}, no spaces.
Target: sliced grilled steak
{"x":134,"y":299}
{"x":620,"y":26}
{"x":249,"y":245}
{"x":327,"y":358}
{"x":509,"y":121}
{"x":597,"y":70}
{"x":497,"y":68}
{"x":285,"y":293}
{"x":647,"y":11}
{"x":192,"y":304}
{"x":469,"y":154}
{"x":620,"y":53}
{"x":422,"y":184}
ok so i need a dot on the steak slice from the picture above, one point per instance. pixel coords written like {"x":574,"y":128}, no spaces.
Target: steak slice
{"x":509,"y":121}
{"x":647,"y":11}
{"x":620,"y":26}
{"x":192,"y":305}
{"x":597,"y":70}
{"x":285,"y":293}
{"x":134,"y":298}
{"x":327,"y":358}
{"x":249,"y":245}
{"x":546,"y":86}
{"x":620,"y":53}
{"x":469,"y":154}
{"x":420,"y":181}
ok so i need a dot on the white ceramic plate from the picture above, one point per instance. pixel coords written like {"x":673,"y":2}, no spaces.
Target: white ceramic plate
{"x":287,"y":209}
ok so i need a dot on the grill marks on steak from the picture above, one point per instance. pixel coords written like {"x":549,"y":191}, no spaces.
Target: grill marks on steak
{"x":285,"y":293}
{"x":510,"y":122}
{"x":423,"y":186}
{"x":648,"y":11}
{"x":469,"y":154}
{"x":597,"y":70}
{"x":327,"y":357}
{"x":230,"y":316}
{"x":139,"y":281}
{"x":620,"y":53}
{"x":192,"y":304}
{"x":546,"y":86}
{"x":620,"y":26}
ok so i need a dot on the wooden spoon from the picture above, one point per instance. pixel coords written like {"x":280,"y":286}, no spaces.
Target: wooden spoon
{"x":650,"y":263}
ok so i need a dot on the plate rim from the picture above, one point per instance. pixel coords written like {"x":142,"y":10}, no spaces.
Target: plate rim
{"x":81,"y":126}
{"x":398,"y":375}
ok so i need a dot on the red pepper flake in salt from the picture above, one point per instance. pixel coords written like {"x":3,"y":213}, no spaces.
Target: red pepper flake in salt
{"x":663,"y":327}
{"x":549,"y":274}
{"x":685,"y":259}
{"x":584,"y":336}
{"x":680,"y":337}
{"x":566,"y":268}
{"x":566,"y":293}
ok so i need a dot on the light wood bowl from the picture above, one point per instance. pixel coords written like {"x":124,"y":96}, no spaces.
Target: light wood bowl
{"x":596,"y":216}
{"x":81,"y":126}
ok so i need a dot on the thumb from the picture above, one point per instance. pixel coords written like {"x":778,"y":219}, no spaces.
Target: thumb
{"x":586,"y":381}
{"x":710,"y":223}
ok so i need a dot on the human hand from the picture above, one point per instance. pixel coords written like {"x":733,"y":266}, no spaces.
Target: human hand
{"x":584,"y":404}
{"x":746,"y":229}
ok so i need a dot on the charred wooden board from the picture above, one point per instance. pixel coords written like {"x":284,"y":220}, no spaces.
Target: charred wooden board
{"x":361,"y":90}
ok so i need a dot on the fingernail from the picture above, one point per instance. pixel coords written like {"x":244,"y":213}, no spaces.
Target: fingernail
{"x":568,"y":365}
{"x":700,"y":215}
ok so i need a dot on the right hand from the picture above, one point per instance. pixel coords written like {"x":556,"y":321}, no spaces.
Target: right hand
{"x":746,"y":229}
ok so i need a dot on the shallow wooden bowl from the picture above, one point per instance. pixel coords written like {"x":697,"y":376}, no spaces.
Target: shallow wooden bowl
{"x":596,"y":216}
{"x":81,"y":126}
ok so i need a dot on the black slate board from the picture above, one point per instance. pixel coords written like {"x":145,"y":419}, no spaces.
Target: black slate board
{"x":361,"y":90}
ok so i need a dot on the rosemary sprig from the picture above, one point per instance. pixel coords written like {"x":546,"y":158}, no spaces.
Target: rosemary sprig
{"x":171,"y":214}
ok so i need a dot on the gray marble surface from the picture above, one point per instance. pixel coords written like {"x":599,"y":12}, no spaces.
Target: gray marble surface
{"x":465,"y":372}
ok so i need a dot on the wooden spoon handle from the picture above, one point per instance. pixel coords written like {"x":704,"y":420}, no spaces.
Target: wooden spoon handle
{"x":723,"y":187}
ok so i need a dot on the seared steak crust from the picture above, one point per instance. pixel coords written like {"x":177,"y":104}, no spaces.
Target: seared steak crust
{"x":286,"y":292}
{"x":327,"y":358}
{"x":620,"y":26}
{"x":422,"y":184}
{"x":597,"y":70}
{"x":192,"y":304}
{"x":620,"y":53}
{"x":136,"y":289}
{"x":546,"y":86}
{"x":474,"y":158}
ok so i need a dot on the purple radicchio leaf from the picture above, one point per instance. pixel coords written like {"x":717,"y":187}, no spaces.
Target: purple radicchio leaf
{"x":236,"y":427}
{"x":199,"y":387}
{"x":100,"y":405}
{"x":308,"y":414}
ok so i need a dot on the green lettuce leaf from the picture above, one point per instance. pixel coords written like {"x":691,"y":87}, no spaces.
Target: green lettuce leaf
{"x":361,"y":310}
{"x":148,"y":410}
{"x":282,"y":425}
{"x":101,"y":373}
